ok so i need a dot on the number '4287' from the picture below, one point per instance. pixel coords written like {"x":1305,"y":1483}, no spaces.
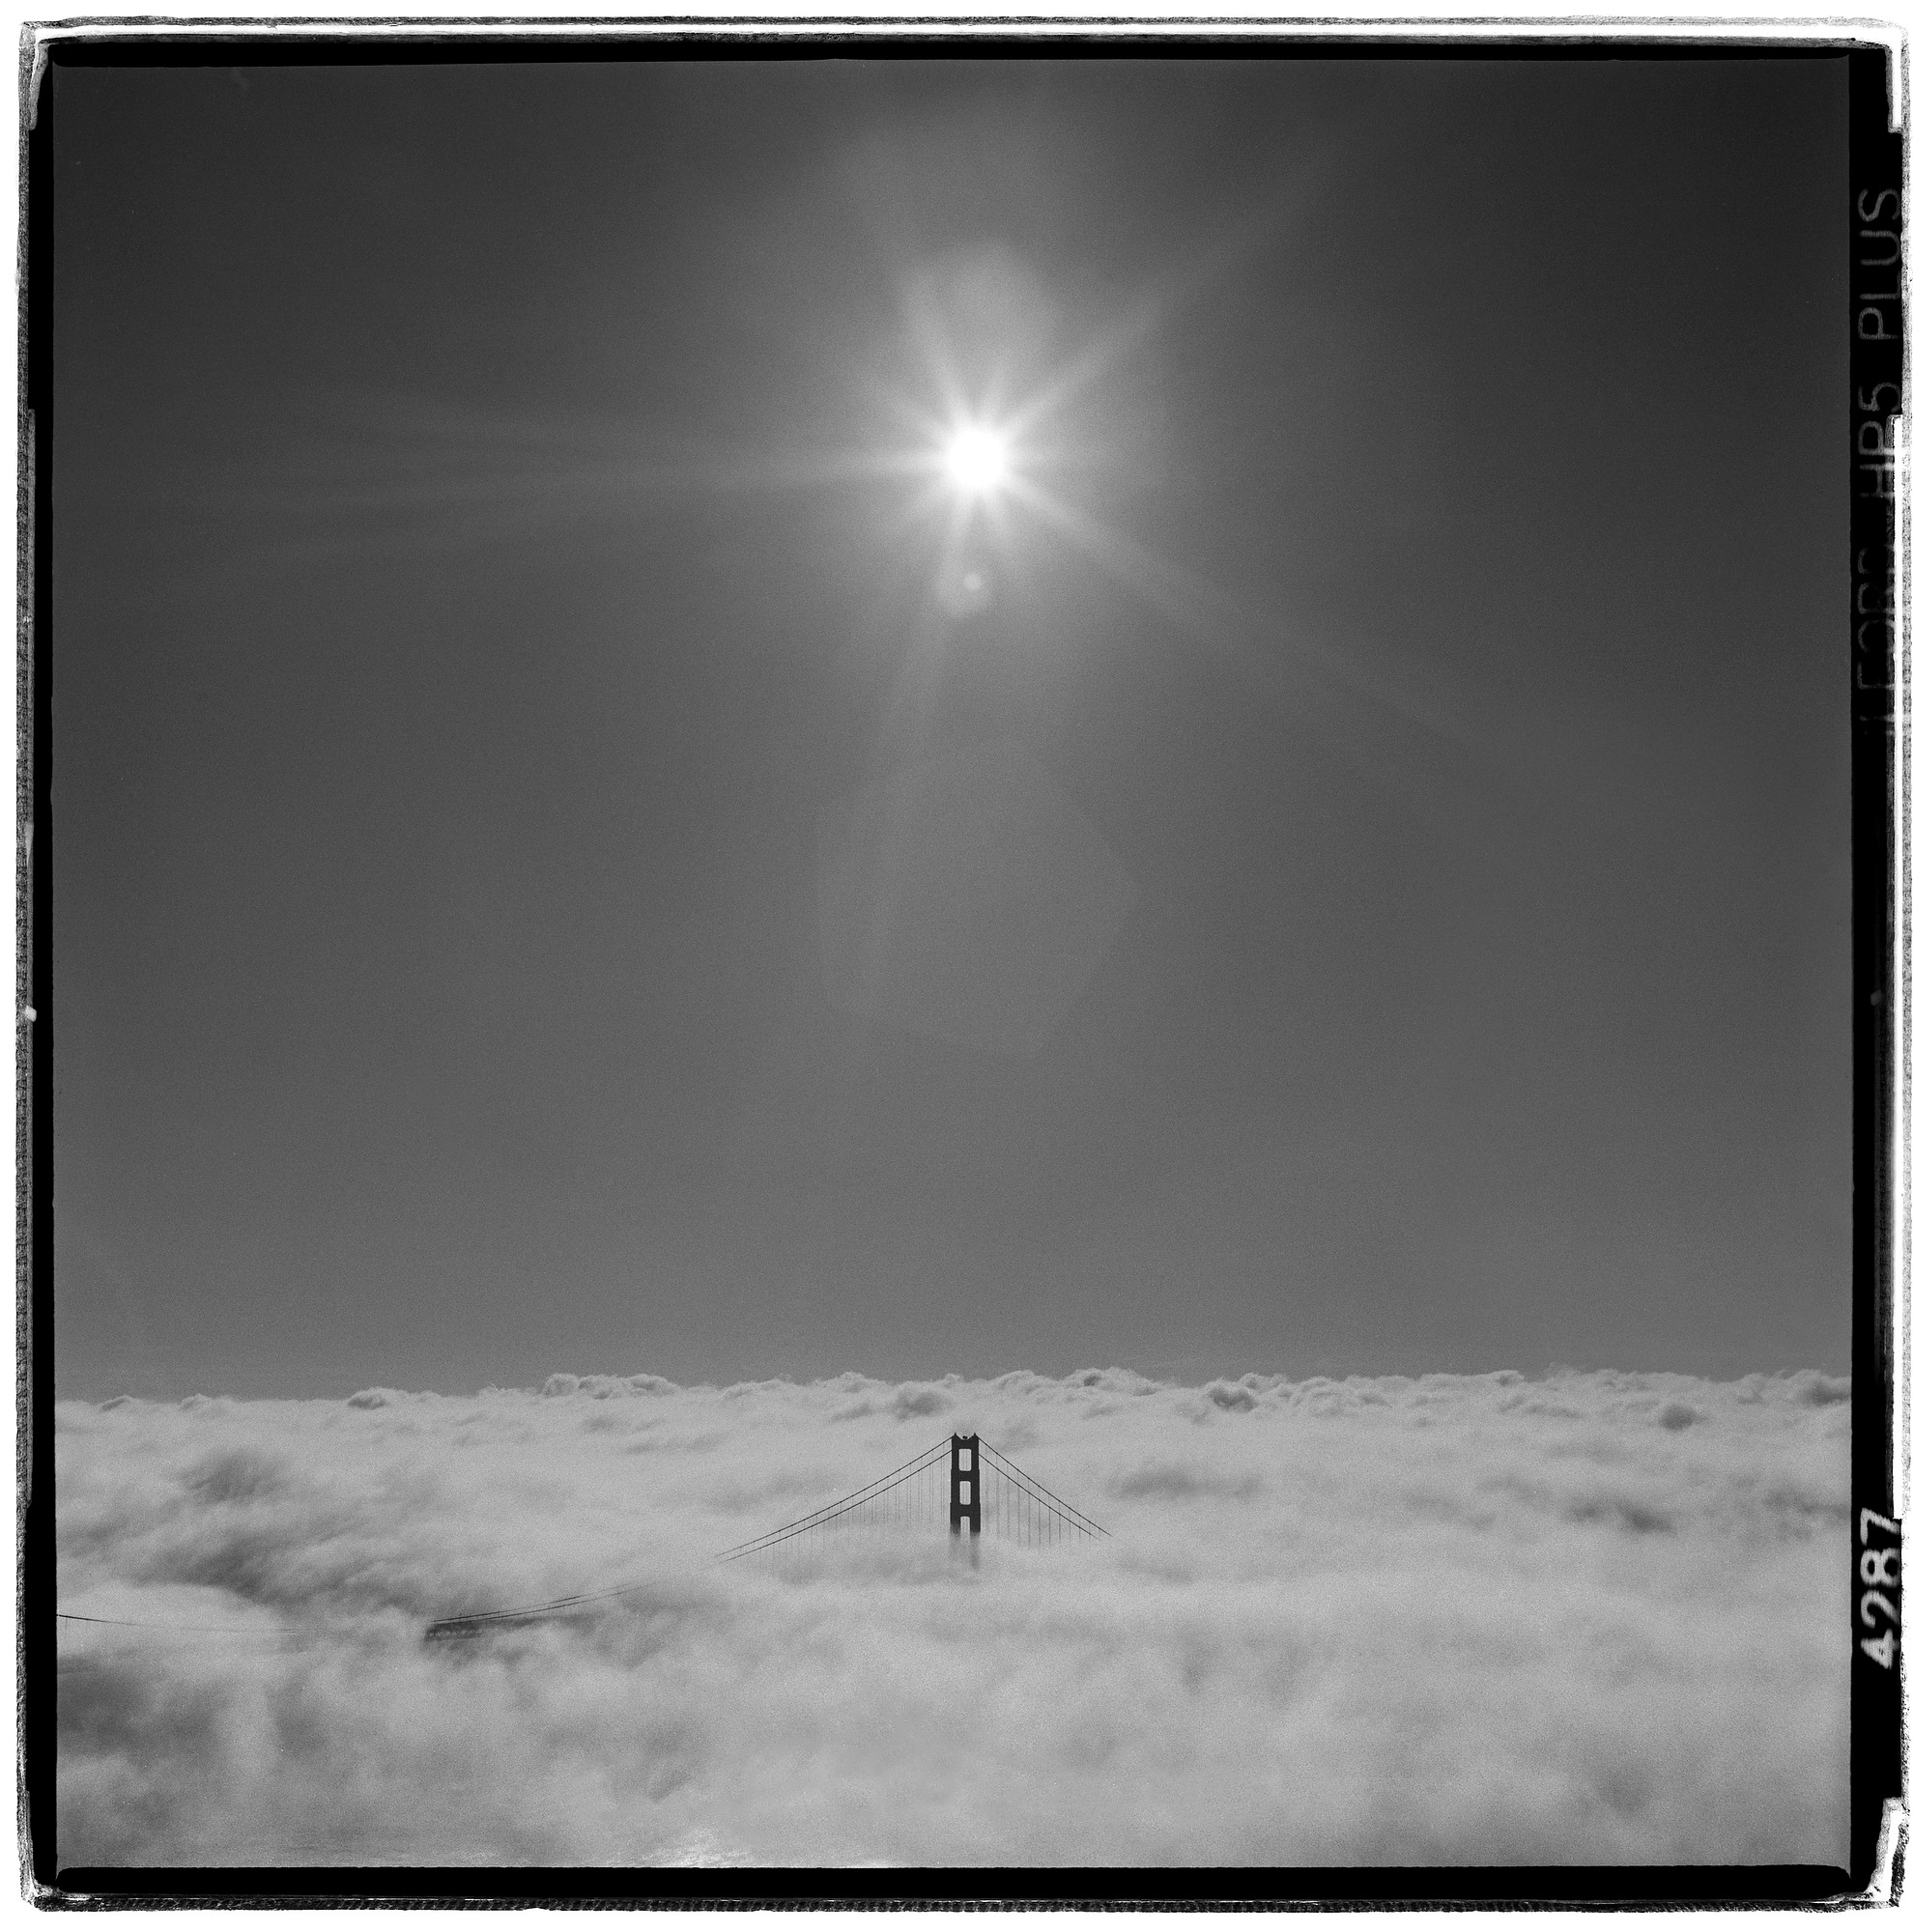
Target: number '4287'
{"x":1879,"y":1572}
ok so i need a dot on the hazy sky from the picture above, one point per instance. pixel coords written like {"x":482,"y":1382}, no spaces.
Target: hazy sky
{"x":1368,"y":893}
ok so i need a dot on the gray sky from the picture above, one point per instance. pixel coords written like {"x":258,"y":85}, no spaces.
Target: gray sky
{"x":542,"y":881}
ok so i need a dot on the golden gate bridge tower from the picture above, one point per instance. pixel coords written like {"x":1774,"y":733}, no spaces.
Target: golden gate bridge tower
{"x":965,"y":1485}
{"x":964,"y":1482}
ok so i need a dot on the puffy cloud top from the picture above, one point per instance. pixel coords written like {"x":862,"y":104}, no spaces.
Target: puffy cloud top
{"x":1591,"y":1618}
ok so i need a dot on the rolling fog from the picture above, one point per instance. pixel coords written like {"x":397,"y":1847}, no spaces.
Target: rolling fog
{"x":1594,"y":1617}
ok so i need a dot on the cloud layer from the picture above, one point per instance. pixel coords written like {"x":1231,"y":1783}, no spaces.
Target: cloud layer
{"x":1592,"y":1618}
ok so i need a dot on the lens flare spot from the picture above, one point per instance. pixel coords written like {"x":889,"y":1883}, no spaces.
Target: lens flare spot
{"x":963,"y":587}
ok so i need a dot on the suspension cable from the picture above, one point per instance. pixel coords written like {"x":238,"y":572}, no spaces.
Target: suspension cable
{"x":901,"y":1473}
{"x":1030,"y":1487}
{"x":1045,"y":1504}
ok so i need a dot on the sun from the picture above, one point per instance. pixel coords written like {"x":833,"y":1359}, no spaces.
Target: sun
{"x":977,"y":460}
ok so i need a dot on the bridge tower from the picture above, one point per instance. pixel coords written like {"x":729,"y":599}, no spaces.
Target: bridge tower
{"x":966,"y":1486}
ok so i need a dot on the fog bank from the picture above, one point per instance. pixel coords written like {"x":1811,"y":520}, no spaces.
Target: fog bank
{"x":1594,"y":1617}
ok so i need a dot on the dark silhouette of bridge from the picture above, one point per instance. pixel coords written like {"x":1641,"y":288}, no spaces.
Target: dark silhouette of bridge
{"x":962,"y":1484}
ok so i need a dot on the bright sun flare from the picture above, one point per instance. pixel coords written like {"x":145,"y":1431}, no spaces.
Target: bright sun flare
{"x":976,"y":461}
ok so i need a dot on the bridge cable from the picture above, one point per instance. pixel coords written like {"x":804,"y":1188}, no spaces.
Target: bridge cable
{"x":916,"y":1466}
{"x":920,"y":1464}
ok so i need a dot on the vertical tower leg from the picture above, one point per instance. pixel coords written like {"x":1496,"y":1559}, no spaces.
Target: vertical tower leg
{"x":966,"y":1486}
